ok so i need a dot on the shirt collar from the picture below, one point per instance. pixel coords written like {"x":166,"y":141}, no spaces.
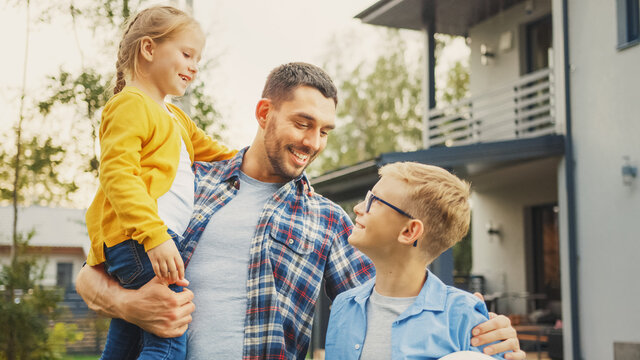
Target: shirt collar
{"x":432,"y":296}
{"x":232,"y":171}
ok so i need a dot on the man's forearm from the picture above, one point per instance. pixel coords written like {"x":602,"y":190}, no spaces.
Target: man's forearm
{"x":154,"y":307}
{"x":93,"y":284}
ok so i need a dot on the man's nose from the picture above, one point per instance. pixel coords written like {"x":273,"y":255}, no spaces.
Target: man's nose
{"x":312,"y":140}
{"x":358,"y":208}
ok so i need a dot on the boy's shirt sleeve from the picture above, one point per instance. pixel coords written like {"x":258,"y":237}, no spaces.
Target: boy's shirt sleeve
{"x":123,"y":131}
{"x":469,"y":318}
{"x":205,"y":148}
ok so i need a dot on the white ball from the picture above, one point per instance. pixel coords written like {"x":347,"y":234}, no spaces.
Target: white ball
{"x":466,"y":355}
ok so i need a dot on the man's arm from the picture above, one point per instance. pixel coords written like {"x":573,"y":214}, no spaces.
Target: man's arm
{"x":154,"y":307}
{"x":497,"y":328}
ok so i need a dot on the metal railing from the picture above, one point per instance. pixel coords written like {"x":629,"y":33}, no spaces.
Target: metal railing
{"x":521,"y":109}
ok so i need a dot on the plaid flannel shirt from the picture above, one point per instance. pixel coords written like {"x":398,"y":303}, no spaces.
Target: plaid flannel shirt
{"x":299,"y":240}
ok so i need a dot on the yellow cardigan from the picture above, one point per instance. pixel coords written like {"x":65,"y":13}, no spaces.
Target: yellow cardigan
{"x":140,"y":150}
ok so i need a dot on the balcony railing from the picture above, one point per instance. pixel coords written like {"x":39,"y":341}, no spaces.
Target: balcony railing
{"x":521,"y":109}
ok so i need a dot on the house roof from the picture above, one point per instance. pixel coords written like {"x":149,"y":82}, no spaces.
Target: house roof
{"x":353,"y":182}
{"x":54,"y":227}
{"x":453,"y":17}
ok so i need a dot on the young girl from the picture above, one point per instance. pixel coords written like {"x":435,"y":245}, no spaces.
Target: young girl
{"x":146,"y":183}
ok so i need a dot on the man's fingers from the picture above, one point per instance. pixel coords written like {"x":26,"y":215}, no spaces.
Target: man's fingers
{"x":497,"y":322}
{"x":479,"y":296}
{"x":500,"y":334}
{"x":516,"y":355}
{"x":510,"y":344}
{"x":492,"y":315}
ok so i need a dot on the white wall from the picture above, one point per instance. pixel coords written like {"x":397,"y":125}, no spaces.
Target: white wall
{"x":505,"y":67}
{"x":500,"y":197}
{"x":605,"y":105}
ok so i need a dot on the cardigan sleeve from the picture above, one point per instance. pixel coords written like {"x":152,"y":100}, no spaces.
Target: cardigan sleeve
{"x":205,"y":148}
{"x":124,"y":130}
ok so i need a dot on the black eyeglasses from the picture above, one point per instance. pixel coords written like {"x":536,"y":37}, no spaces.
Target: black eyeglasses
{"x":369,"y":200}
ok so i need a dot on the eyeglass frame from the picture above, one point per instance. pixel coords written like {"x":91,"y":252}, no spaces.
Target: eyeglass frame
{"x":369,"y":200}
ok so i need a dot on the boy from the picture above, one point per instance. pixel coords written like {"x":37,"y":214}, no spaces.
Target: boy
{"x":413,"y":214}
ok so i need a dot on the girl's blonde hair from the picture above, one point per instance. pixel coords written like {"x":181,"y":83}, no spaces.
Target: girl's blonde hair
{"x":436,"y":197}
{"x":157,"y":22}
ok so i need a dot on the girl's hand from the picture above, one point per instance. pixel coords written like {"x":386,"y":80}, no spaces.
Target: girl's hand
{"x":166,"y":262}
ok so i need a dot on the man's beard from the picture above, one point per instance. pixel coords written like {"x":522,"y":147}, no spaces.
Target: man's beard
{"x":277,"y":154}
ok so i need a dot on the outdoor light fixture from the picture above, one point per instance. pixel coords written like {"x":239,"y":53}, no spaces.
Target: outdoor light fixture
{"x":493,"y":230}
{"x":629,"y":172}
{"x":485,"y":54}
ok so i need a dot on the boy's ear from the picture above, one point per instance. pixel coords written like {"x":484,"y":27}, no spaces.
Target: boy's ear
{"x":147,"y":48}
{"x":262,"y":110}
{"x":411,"y":232}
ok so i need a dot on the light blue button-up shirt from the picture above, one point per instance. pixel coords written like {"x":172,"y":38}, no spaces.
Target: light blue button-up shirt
{"x":438,"y":323}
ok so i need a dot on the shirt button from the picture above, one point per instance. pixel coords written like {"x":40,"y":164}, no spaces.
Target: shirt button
{"x":199,"y":217}
{"x":290,"y":241}
{"x":357,"y":346}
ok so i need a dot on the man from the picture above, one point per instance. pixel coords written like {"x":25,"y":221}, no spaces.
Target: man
{"x":262,"y":257}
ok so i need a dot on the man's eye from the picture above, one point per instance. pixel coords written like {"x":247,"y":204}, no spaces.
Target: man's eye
{"x":303,"y":125}
{"x":186,"y":55}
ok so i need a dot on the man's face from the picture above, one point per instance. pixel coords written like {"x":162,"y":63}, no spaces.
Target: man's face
{"x":296,"y":132}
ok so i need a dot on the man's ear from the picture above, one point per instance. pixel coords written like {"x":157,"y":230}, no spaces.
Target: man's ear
{"x":411,"y":232}
{"x":262,"y":110}
{"x":147,"y":48}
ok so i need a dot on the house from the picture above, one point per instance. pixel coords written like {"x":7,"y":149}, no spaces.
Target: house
{"x":549,"y":140}
{"x":60,"y":240}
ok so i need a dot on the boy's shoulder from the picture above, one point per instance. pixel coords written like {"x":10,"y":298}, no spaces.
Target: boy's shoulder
{"x":363,"y":290}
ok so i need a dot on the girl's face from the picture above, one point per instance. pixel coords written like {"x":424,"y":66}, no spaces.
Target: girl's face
{"x":174,"y":62}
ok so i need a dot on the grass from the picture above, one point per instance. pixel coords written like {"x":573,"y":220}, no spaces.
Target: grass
{"x":82,"y":357}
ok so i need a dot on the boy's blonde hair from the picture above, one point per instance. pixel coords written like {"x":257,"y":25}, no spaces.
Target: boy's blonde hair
{"x":157,"y":22}
{"x":436,"y":197}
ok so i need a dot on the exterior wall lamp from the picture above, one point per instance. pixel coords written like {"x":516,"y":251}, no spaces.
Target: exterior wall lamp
{"x":486,"y":54}
{"x":629,"y":172}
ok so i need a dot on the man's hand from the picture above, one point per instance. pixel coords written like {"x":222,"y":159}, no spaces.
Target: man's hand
{"x":167,"y":262}
{"x":497,"y":328}
{"x":154,"y":307}
{"x":158,"y":310}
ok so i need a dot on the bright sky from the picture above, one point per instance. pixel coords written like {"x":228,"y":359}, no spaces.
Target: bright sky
{"x":247,"y":38}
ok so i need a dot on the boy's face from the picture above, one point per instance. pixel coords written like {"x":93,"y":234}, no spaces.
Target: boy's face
{"x":376,"y":232}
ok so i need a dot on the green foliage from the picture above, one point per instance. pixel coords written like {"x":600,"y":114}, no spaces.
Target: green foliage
{"x":60,"y":335}
{"x":25,"y":307}
{"x":39,"y":180}
{"x":462,"y":260}
{"x":88,"y":92}
{"x":202,"y":110}
{"x":380,"y":109}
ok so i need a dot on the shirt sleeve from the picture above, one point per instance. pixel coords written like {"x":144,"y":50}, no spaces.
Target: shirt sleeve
{"x":346,"y":266}
{"x":205,"y":148}
{"x":471,"y":314}
{"x":123,"y":131}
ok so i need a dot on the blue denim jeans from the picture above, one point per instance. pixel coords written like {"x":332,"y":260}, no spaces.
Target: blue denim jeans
{"x":128,"y":263}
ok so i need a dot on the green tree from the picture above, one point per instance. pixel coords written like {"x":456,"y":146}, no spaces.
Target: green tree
{"x":28,"y":174}
{"x":380,"y":106}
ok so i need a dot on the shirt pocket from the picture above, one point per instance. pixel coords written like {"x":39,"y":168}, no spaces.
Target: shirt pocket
{"x":290,"y":235}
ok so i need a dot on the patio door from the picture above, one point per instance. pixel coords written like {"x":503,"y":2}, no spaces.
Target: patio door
{"x":544,"y":259}
{"x":539,"y":39}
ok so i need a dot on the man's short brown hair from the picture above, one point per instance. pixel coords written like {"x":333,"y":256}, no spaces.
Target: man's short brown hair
{"x":284,"y":79}
{"x":436,"y":197}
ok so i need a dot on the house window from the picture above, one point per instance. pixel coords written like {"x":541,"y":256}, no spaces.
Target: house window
{"x":64,"y":275}
{"x":628,"y":23}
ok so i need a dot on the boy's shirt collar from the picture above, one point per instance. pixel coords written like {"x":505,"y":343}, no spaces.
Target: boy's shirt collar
{"x":432,"y":296}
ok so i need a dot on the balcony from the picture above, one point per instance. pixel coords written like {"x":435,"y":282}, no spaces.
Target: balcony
{"x":521,"y":109}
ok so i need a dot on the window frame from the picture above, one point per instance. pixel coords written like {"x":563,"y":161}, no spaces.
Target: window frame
{"x":628,"y":23}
